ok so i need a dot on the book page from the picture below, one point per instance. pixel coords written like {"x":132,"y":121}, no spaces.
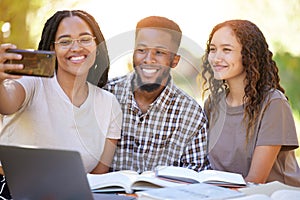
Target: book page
{"x":113,"y":181}
{"x":254,"y":197}
{"x":277,"y":195}
{"x":148,"y":180}
{"x":205,"y":176}
{"x":177,"y":173}
{"x":219,"y":177}
{"x":267,"y":188}
{"x":190,"y":191}
{"x":286,"y":195}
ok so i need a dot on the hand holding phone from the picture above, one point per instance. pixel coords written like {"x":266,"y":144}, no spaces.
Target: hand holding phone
{"x":36,"y":63}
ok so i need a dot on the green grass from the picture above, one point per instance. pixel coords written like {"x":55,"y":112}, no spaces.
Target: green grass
{"x":297,"y":122}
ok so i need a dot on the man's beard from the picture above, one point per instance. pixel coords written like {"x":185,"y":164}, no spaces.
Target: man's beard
{"x":150,"y":87}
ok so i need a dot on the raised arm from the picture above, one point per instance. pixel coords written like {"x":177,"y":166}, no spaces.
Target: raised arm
{"x":12,"y":94}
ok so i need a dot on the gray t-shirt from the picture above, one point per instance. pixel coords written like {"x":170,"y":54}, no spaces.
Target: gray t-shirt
{"x":228,"y":150}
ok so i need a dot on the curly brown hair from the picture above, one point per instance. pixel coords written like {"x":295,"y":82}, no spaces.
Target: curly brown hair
{"x":261,"y":71}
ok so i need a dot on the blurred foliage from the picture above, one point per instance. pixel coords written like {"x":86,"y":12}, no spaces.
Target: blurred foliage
{"x":289,"y":72}
{"x":297,"y":121}
{"x":15,"y":13}
{"x":27,"y":18}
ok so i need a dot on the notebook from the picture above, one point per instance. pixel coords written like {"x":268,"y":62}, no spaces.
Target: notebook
{"x":40,"y":173}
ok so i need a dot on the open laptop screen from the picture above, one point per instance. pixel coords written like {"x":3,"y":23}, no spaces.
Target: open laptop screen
{"x":35,"y":173}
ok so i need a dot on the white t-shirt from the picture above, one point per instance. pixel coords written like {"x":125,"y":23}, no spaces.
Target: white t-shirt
{"x":48,"y":119}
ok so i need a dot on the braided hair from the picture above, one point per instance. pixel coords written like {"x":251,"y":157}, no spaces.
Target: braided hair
{"x":98,"y":73}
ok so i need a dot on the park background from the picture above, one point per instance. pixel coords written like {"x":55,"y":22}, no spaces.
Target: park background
{"x":21,"y":23}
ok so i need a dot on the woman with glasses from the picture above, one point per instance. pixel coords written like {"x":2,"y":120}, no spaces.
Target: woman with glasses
{"x":66,"y":111}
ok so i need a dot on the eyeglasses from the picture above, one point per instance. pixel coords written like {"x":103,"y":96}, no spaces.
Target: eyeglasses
{"x":67,"y":42}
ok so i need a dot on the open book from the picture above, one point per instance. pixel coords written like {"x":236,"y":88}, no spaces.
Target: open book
{"x":126,"y":181}
{"x":219,"y":178}
{"x":271,"y":191}
{"x":191,"y":191}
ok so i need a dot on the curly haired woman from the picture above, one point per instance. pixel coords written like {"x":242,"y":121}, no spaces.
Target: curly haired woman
{"x":251,"y":128}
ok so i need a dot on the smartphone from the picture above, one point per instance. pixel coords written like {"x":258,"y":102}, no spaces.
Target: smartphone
{"x":36,"y":63}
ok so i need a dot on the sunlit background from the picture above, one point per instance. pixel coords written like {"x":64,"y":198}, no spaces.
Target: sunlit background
{"x":21,"y":23}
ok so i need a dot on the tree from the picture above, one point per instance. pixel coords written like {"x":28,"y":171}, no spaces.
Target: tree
{"x":15,"y":16}
{"x":289,"y":73}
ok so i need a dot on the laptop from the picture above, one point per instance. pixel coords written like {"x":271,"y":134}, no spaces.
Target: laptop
{"x":50,"y":174}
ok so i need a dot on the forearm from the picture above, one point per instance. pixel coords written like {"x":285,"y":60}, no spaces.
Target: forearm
{"x":106,"y":158}
{"x":12,"y":93}
{"x":262,"y":162}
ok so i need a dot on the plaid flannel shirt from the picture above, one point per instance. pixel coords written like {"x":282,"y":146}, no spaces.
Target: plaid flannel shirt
{"x":172,"y":131}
